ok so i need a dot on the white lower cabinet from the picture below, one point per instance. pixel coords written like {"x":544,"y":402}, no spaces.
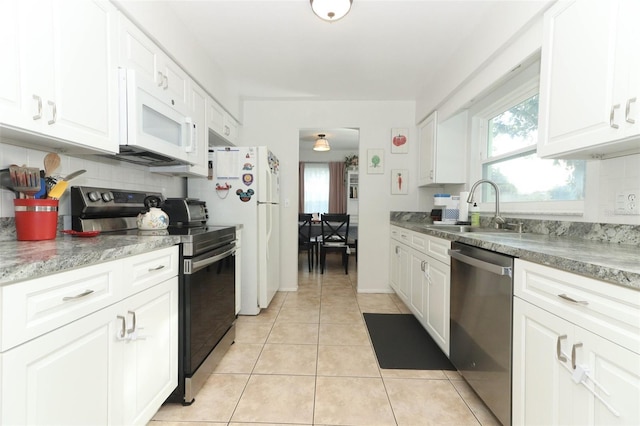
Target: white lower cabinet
{"x":422,"y":280}
{"x":151,"y":355}
{"x":564,"y":373}
{"x":115,"y":365}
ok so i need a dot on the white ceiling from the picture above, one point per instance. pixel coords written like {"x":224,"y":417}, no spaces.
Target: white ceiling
{"x":382,"y":50}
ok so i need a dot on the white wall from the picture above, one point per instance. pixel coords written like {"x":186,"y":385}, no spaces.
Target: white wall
{"x":103,"y":174}
{"x":277,"y":123}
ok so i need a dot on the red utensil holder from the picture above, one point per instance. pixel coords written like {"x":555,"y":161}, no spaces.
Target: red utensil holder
{"x":36,"y":219}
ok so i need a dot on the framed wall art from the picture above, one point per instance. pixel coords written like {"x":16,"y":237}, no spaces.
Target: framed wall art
{"x":399,"y":140}
{"x":375,"y":161}
{"x":399,"y":181}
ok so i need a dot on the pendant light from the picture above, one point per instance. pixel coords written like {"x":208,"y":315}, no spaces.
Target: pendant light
{"x":321,"y":144}
{"x":331,"y":10}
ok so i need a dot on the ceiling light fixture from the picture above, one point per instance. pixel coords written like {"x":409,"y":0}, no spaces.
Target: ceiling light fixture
{"x":321,"y":144}
{"x":331,"y":10}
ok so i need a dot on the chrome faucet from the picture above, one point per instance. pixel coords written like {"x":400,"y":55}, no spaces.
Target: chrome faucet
{"x":499,"y":219}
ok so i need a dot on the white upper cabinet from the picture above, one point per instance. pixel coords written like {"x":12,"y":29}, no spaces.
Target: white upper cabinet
{"x":220,"y":122}
{"x":442,"y":150}
{"x":138,"y":52}
{"x":590,"y":80}
{"x":58,"y":79}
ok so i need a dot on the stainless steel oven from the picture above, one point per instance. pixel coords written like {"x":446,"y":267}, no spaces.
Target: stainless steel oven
{"x":208,"y":315}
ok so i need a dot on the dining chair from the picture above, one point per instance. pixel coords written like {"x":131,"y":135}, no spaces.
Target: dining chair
{"x":335,"y":236}
{"x":304,"y":236}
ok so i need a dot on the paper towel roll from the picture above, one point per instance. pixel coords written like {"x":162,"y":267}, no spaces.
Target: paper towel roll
{"x":463,"y":214}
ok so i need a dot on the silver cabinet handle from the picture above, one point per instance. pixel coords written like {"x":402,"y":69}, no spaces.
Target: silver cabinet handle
{"x":573,"y":354}
{"x":612,"y":115}
{"x":227,"y":131}
{"x":77,"y":296}
{"x":572,"y":300}
{"x":430,"y":174}
{"x":160,"y":79}
{"x":133,"y":326}
{"x":422,"y":265}
{"x":166,"y":82}
{"x":123,"y":329}
{"x":54,"y":112}
{"x":157,"y":268}
{"x":627,"y":110}
{"x":559,"y":353}
{"x":397,"y":249}
{"x":38,"y":116}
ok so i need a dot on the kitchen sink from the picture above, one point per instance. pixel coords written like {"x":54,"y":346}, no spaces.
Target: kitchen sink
{"x":467,"y":228}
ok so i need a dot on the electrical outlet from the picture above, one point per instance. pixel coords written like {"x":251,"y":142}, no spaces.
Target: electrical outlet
{"x":628,"y":202}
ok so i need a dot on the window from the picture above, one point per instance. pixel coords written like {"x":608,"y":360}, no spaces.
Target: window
{"x":316,"y":187}
{"x":508,"y":157}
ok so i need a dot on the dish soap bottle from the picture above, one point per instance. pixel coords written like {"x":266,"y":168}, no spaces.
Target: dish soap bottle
{"x":475,"y":215}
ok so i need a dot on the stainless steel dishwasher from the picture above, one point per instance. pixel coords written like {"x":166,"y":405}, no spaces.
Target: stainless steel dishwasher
{"x":481,"y":315}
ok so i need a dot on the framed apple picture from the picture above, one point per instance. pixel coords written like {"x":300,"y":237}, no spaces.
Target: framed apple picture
{"x":399,"y":140}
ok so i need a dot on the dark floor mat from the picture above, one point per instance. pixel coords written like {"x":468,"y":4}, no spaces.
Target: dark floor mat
{"x":401,"y":342}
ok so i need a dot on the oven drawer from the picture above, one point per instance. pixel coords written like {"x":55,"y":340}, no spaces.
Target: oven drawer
{"x":35,"y":307}
{"x":148,"y":269}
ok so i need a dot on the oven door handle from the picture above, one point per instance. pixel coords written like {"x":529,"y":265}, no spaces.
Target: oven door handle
{"x":490,"y":267}
{"x":199,"y":264}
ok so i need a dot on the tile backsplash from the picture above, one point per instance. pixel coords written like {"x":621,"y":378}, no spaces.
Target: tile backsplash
{"x":107,"y":173}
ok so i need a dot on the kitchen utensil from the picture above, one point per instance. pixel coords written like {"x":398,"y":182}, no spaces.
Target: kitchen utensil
{"x":81,"y":233}
{"x":60,"y":186}
{"x":51,"y":163}
{"x":25,"y":180}
{"x":7,"y":182}
{"x":153,"y":219}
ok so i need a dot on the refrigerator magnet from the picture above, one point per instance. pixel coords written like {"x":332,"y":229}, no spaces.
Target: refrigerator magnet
{"x":247,"y":179}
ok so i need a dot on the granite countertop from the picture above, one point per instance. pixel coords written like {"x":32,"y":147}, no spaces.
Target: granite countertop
{"x":607,"y":261}
{"x":23,"y":260}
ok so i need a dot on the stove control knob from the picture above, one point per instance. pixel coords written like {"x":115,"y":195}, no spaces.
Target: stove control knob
{"x":107,"y":196}
{"x":94,"y":196}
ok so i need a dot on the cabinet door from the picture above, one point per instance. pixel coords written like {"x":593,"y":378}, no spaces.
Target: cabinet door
{"x":137,"y":51}
{"x":437,"y":300}
{"x":151,"y":355}
{"x":427,"y":150}
{"x":404,"y":274}
{"x":576,"y":106}
{"x":542,"y":385}
{"x":419,"y":284}
{"x":617,"y":372}
{"x":175,"y":82}
{"x":215,"y":117}
{"x":66,"y":377}
{"x":85,"y":108}
{"x":11,"y":85}
{"x":394,"y":265}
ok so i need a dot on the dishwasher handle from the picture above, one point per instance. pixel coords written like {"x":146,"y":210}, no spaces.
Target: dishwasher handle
{"x":490,"y":267}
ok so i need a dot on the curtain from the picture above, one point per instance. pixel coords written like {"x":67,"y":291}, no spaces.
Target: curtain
{"x":316,"y":188}
{"x":338,"y":191}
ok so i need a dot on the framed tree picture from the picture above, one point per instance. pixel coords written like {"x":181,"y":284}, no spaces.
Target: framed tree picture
{"x":375,"y":161}
{"x":399,"y":181}
{"x":399,"y":140}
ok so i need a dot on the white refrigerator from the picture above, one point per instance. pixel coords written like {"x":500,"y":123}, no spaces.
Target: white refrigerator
{"x":244,"y":188}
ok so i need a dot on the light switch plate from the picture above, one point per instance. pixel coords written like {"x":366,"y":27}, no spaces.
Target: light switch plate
{"x":628,"y":202}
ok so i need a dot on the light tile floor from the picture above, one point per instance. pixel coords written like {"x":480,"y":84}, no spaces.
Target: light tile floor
{"x":308,"y":360}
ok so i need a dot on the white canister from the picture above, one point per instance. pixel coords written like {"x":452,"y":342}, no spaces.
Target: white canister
{"x":441,"y":199}
{"x":464,"y":206}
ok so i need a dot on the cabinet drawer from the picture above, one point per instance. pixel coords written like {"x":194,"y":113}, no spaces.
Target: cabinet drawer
{"x":439,"y":249}
{"x":419,"y":242}
{"x":35,"y":307}
{"x":605,"y":309}
{"x":401,"y":235}
{"x":148,"y":269}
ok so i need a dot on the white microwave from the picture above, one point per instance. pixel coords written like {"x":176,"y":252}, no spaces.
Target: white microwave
{"x":152,"y":130}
